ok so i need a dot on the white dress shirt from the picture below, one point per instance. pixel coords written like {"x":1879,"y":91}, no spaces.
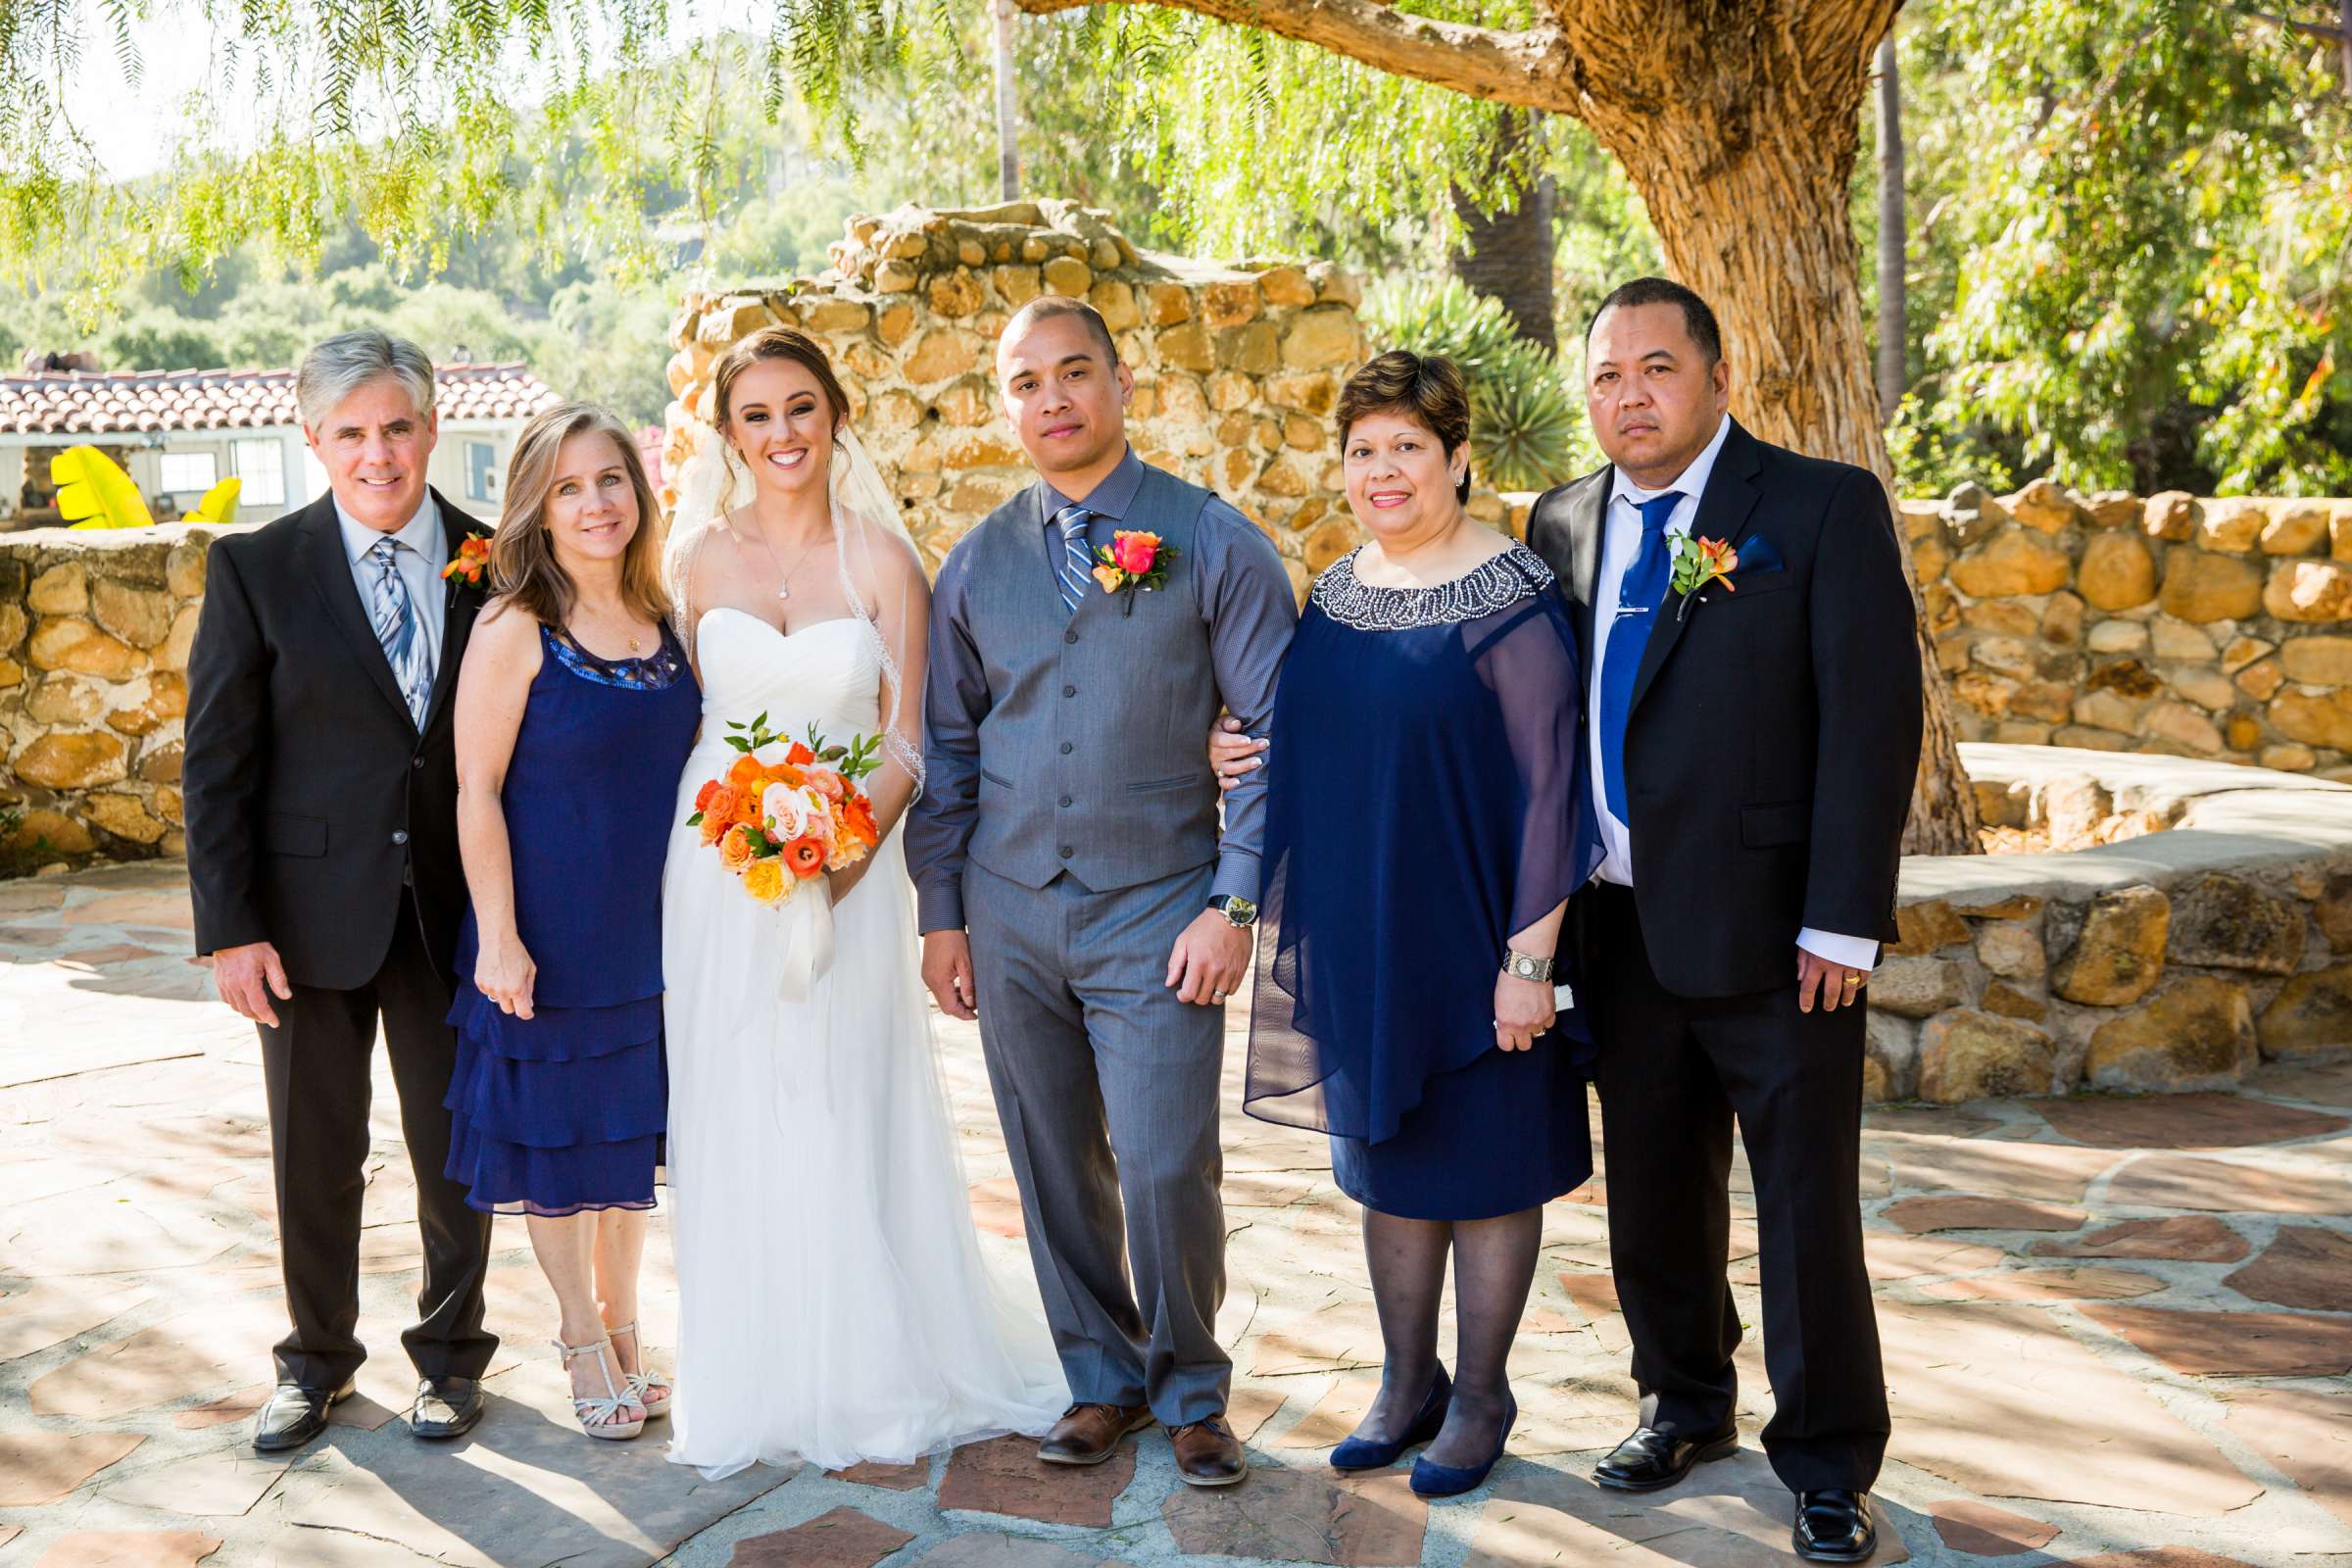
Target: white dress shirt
{"x":419,"y":566}
{"x":1621,"y":536}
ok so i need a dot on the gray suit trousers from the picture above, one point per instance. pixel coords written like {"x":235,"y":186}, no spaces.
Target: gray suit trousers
{"x":1107,"y":1087}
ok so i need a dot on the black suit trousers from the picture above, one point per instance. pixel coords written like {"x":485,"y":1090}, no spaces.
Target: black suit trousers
{"x":1674,"y":1074}
{"x":317,"y":1064}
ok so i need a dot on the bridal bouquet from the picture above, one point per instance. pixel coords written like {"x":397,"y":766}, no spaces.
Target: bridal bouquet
{"x":779,"y":824}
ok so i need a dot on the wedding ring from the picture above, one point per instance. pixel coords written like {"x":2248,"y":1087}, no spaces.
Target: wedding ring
{"x":1216,"y":996}
{"x":1853,"y":979}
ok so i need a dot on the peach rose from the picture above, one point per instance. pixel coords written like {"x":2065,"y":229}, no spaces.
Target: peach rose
{"x":735,"y":849}
{"x":828,"y":783}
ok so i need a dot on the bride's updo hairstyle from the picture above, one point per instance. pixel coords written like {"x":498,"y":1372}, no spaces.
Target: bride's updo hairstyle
{"x":1425,"y":388}
{"x":776,"y":343}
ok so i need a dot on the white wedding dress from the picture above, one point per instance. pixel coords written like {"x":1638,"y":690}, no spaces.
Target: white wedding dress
{"x":834,"y":1306}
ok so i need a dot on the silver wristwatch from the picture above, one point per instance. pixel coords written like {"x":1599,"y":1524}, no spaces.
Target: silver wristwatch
{"x":1520,"y":966}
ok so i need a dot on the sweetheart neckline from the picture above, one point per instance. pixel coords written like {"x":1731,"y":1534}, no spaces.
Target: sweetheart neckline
{"x":780,"y":633}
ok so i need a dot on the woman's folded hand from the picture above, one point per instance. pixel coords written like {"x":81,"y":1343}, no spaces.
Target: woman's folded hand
{"x":1522,"y":1010}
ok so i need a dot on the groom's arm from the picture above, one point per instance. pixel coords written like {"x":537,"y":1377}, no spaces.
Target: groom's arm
{"x":1246,"y":597}
{"x":956,"y":699}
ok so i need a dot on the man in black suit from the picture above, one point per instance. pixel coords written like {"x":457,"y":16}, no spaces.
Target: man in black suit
{"x":1753,"y":742}
{"x":320,"y":787}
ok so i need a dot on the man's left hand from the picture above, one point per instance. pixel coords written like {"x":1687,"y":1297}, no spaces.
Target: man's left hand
{"x":1839,"y":985}
{"x":1210,"y":959}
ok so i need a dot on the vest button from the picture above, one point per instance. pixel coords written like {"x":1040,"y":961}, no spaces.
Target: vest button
{"x":1070,"y":691}
{"x":1067,"y":748}
{"x":1067,"y":852}
{"x":400,"y":835}
{"x":1067,"y":801}
{"x":1070,"y":636}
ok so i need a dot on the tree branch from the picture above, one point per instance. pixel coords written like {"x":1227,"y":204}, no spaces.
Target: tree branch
{"x":1528,"y":68}
{"x":2317,"y":29}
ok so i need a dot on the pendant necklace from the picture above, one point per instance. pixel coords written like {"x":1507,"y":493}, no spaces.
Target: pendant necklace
{"x":783,"y":577}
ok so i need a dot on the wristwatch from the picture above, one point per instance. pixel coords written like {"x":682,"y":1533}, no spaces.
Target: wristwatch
{"x":1522,"y":966}
{"x":1240,"y":911}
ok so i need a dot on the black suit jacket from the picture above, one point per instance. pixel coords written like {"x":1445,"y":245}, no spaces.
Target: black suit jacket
{"x":1774,"y":738}
{"x":311,"y":797}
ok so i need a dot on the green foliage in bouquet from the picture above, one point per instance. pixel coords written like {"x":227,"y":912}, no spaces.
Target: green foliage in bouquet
{"x":1522,"y":422}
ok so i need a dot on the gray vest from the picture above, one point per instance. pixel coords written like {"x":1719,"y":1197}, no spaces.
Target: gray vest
{"x":1093,"y":755}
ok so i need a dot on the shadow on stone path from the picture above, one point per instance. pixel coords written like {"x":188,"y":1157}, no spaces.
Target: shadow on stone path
{"x":2116,"y":1334}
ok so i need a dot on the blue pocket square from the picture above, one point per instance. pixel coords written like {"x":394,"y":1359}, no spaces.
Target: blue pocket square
{"x":1757,"y":554}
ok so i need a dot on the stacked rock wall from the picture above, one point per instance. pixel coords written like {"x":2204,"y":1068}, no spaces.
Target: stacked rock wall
{"x":2169,"y":623}
{"x":94,"y":635}
{"x":1236,"y":368}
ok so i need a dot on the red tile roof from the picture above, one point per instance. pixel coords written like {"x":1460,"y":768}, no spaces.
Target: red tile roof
{"x":76,"y":403}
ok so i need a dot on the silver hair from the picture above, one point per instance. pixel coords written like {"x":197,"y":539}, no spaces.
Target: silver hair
{"x":341,"y":364}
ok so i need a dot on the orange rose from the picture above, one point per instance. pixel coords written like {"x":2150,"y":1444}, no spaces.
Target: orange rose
{"x":800,"y":755}
{"x":858,"y":815}
{"x":735,"y":849}
{"x":702,"y":797}
{"x":1135,"y":551}
{"x":718,"y":801}
{"x":806,"y":856}
{"x":763,"y":879}
{"x":713,"y":826}
{"x":743,"y":772}
{"x":828,"y":783}
{"x":746,"y":808}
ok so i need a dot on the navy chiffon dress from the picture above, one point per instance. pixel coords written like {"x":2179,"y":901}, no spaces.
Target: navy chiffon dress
{"x":1426,"y":800}
{"x":565,"y":1111}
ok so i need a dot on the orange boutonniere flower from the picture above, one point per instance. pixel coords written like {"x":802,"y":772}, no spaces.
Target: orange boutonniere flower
{"x":1699,"y":563}
{"x":471,"y":563}
{"x":1135,"y":560}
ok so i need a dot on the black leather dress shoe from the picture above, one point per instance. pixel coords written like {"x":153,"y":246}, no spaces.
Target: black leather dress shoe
{"x":445,"y":1409}
{"x":293,"y":1415}
{"x":1652,"y":1460}
{"x":1836,"y":1526}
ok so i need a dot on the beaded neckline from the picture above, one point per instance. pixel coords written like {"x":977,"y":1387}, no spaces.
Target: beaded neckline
{"x":1495,"y":583}
{"x":655,"y":672}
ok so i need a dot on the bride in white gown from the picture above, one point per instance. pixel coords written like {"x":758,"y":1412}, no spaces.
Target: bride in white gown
{"x":834,"y":1306}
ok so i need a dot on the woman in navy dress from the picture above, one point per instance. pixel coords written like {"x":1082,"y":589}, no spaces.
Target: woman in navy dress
{"x":1425,"y":826}
{"x":575,"y":710}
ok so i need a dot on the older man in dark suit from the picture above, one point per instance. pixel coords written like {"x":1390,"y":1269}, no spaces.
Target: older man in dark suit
{"x":321,"y":785}
{"x":1754,"y":731}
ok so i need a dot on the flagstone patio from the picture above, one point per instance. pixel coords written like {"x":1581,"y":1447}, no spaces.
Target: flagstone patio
{"x":2116,"y":1331}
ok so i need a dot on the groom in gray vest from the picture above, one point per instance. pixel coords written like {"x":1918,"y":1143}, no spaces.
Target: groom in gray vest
{"x":1075,"y":891}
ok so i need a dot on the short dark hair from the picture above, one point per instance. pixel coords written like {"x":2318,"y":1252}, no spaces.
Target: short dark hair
{"x":1425,"y":388}
{"x":1046,"y":306}
{"x":1698,"y":318}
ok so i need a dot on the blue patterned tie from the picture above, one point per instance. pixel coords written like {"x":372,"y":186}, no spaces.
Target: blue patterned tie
{"x":1638,"y":598}
{"x":1077,"y":566}
{"x":395,"y":622}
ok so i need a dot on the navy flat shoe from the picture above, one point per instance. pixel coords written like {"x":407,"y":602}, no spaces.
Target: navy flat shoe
{"x":1451,"y":1480}
{"x":1361,"y":1453}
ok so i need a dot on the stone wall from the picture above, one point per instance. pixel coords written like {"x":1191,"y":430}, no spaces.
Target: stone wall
{"x":1237,"y":368}
{"x":2212,"y":929}
{"x":2168,"y":623}
{"x":94,"y":635}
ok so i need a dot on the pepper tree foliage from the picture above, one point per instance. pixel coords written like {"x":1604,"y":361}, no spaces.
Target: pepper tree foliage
{"x":2132,"y":246}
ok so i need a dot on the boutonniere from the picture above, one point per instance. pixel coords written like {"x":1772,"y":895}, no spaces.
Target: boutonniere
{"x":1700,"y":562}
{"x":1132,"y":560}
{"x":471,"y":563}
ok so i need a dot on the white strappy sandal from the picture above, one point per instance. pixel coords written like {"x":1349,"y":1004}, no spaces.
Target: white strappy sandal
{"x":649,"y":1391}
{"x":601,"y":1418}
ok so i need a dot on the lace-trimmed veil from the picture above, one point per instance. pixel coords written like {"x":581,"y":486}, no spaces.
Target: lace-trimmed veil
{"x":711,"y":486}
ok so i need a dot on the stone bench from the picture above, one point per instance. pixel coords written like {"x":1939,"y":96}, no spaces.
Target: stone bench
{"x":2175,"y":960}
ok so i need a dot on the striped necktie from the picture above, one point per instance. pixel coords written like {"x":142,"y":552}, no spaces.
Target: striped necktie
{"x":1077,"y":566}
{"x":395,"y":622}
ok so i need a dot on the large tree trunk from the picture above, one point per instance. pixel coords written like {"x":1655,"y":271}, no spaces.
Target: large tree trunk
{"x":1009,"y":151}
{"x":1745,"y":181}
{"x":1739,"y":123}
{"x":1507,"y":255}
{"x":1895,"y":315}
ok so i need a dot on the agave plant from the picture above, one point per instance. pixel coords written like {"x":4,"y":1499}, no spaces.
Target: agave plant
{"x":1522,"y":423}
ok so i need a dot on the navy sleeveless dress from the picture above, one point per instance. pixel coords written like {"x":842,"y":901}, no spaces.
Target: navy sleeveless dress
{"x":564,"y":1110}
{"x":1425,"y":799}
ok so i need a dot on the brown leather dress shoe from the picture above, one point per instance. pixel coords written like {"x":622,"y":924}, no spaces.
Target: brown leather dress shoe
{"x":1208,"y":1454}
{"x":1089,"y":1434}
